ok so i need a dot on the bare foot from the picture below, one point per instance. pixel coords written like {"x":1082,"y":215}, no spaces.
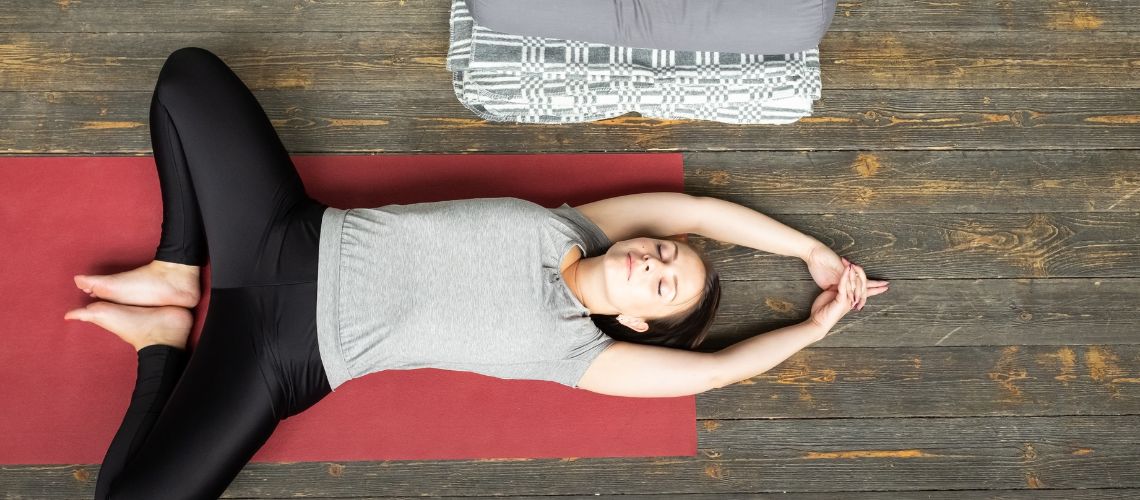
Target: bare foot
{"x":139,"y":326}
{"x":156,"y":284}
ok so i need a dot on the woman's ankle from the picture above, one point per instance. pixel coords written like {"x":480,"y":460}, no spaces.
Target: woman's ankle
{"x":176,"y":267}
{"x":158,"y":346}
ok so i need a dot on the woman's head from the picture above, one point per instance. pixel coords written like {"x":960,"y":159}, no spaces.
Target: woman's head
{"x":664,"y":292}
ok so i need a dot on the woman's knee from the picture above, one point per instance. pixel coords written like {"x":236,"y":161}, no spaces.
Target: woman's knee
{"x":188,"y":69}
{"x":189,"y":58}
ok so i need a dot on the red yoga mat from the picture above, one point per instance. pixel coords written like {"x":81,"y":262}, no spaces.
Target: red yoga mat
{"x":64,"y":385}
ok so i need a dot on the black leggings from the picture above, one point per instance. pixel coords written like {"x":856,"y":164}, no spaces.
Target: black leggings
{"x":230,"y":192}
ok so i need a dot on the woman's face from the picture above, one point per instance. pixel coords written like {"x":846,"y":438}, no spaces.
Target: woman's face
{"x":652,"y":279}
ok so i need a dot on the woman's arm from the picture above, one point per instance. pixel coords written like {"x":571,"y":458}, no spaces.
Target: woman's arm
{"x":638,"y":370}
{"x":649,"y":371}
{"x":756,"y":355}
{"x":667,"y":214}
{"x":635,"y":370}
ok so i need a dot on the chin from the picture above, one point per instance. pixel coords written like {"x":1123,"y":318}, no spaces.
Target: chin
{"x":610,"y":268}
{"x":613,"y":270}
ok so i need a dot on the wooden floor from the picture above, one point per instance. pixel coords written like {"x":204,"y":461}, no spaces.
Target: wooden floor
{"x":982,"y":155}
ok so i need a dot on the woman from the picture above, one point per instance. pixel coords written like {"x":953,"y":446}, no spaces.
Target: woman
{"x":305,"y":297}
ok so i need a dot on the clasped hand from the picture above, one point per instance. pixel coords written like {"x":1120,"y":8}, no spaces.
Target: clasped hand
{"x":845,"y":286}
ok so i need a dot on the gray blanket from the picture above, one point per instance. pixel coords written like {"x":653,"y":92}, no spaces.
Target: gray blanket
{"x":748,"y":26}
{"x":505,"y":77}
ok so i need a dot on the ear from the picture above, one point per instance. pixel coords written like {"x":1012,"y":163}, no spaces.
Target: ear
{"x":636,"y":324}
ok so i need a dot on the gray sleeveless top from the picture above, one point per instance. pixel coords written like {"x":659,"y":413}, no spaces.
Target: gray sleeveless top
{"x":469,"y":285}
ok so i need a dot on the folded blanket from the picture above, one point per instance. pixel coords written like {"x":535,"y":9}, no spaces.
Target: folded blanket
{"x":504,"y":77}
{"x":748,"y":26}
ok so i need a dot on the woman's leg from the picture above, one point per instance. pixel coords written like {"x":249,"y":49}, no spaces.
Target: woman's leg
{"x":225,"y":178}
{"x":228,"y":184}
{"x":187,"y":433}
{"x":160,"y":367}
{"x":229,"y":192}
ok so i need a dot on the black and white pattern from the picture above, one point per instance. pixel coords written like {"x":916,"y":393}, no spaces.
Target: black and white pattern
{"x":504,"y":77}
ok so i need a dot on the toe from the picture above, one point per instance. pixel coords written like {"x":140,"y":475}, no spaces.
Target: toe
{"x":83,"y":282}
{"x":80,"y":314}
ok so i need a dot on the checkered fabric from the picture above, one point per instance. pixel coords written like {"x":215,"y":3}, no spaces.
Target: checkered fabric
{"x":504,"y":77}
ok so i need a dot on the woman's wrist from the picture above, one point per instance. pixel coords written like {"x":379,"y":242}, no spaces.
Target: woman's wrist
{"x":815,"y":330}
{"x":812,"y":246}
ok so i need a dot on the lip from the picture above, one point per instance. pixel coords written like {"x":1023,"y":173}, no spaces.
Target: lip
{"x":628,"y":266}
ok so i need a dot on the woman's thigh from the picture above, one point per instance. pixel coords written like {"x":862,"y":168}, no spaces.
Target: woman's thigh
{"x":257,"y":363}
{"x":253,"y":204}
{"x":219,"y":414}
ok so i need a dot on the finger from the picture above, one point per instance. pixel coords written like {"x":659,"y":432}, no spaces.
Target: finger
{"x":849,"y":296}
{"x":876,"y":283}
{"x":875,"y":291}
{"x":850,"y":286}
{"x":862,"y":288}
{"x":854,"y":285}
{"x":842,"y":295}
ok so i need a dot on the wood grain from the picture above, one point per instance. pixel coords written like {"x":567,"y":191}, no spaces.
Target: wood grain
{"x":920,"y":181}
{"x":755,"y":456}
{"x":912,"y":246}
{"x":407,"y":15}
{"x":415,"y":60}
{"x":894,"y":382}
{"x":941,"y":312}
{"x":413,"y":122}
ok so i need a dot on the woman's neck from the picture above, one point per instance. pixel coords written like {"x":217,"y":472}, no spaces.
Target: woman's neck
{"x":586,"y":281}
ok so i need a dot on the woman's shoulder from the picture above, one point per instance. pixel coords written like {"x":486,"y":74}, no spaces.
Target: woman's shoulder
{"x":583,"y":229}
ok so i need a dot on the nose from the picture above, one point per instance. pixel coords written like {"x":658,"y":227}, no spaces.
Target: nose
{"x":650,"y":263}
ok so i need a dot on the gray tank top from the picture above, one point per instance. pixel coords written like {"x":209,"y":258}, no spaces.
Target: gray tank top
{"x":469,"y":285}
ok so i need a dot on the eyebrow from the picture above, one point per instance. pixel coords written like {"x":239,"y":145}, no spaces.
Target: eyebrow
{"x":676,"y":253}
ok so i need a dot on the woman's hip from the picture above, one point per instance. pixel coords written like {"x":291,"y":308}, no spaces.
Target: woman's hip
{"x":278,"y":323}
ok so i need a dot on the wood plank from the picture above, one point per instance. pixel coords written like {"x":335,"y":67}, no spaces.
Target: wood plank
{"x":312,"y":61}
{"x":999,"y":16}
{"x":903,"y":454}
{"x":401,"y":15}
{"x":1101,"y":494}
{"x":937,"y":382}
{"x":940,"y":312}
{"x":914,"y":246}
{"x":406,"y":122}
{"x":979,"y":60}
{"x":920,"y":181}
{"x":416,"y":60}
{"x":755,"y":456}
{"x":48,"y":483}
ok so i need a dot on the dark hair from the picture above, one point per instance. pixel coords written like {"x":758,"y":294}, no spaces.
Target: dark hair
{"x":684,"y":330}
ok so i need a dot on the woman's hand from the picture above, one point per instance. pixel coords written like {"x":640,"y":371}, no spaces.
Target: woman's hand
{"x":850,"y":292}
{"x":825,"y":266}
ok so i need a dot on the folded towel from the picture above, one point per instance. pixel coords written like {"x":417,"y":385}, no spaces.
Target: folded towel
{"x":505,"y":77}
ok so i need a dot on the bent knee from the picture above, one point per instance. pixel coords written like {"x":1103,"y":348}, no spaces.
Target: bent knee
{"x":191,"y":56}
{"x":189,"y":68}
